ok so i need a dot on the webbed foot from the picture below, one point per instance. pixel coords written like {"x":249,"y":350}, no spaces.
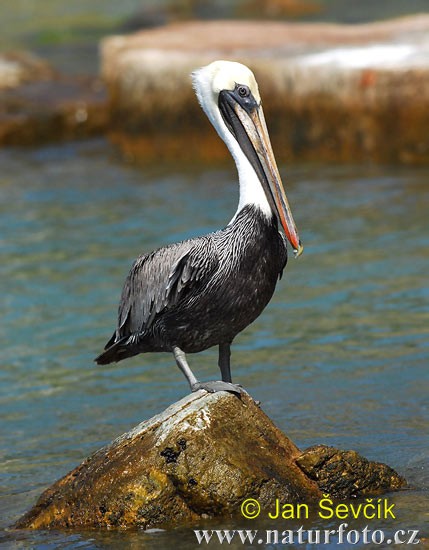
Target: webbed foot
{"x":217,"y":385}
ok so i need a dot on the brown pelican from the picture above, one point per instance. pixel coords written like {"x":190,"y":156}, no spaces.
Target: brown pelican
{"x":201,"y":292}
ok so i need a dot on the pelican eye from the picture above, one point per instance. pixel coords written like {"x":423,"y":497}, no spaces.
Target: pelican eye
{"x":243,"y":91}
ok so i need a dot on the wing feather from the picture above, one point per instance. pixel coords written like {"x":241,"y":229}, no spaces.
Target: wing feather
{"x":159,"y":280}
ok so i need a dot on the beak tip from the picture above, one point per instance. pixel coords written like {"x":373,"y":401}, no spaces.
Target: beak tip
{"x":298,"y":251}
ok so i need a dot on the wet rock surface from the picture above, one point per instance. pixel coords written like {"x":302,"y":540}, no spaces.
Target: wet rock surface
{"x":38,"y":105}
{"x":333,"y":92}
{"x":199,"y":459}
{"x":347,"y":474}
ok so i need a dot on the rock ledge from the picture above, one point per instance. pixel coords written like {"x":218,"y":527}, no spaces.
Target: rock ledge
{"x":330,"y":92}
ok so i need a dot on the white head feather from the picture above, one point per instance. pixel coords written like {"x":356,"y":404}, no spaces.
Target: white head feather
{"x":208,"y":82}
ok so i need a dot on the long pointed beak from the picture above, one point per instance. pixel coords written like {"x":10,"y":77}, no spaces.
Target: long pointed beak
{"x":255,"y":127}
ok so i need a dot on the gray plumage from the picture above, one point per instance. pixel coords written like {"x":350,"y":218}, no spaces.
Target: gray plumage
{"x":199,"y":292}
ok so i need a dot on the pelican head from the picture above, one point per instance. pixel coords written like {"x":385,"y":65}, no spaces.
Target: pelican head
{"x":229,"y":95}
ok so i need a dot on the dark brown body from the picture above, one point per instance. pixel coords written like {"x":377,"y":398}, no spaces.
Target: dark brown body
{"x":201,"y":292}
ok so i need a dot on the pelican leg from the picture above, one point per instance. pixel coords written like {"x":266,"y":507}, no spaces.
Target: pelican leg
{"x":225,"y":367}
{"x":224,"y":361}
{"x":182,"y":363}
{"x":211,"y":387}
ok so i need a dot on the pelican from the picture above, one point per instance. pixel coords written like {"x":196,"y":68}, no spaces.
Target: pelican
{"x":189,"y":296}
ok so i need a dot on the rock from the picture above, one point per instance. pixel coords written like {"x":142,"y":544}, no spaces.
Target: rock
{"x":332,"y":92}
{"x":346,"y":474}
{"x":39,"y":105}
{"x":201,"y":458}
{"x":17,"y":68}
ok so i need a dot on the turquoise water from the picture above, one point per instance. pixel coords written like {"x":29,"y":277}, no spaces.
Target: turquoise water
{"x":340,"y":356}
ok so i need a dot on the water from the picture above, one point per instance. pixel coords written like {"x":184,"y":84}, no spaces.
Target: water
{"x":340,"y":356}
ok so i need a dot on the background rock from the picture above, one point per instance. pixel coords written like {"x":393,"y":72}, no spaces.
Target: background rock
{"x":38,"y":105}
{"x":333,"y":92}
{"x":16,"y":68}
{"x":201,"y":458}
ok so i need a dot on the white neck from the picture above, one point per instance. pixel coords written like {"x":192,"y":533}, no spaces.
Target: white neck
{"x":251,"y":190}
